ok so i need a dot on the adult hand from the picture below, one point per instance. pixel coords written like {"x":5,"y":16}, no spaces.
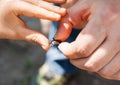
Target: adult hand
{"x":69,"y":3}
{"x":12,"y":27}
{"x":97,"y":47}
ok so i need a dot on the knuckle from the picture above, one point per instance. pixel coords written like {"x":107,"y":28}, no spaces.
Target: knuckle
{"x":73,"y":19}
{"x":114,"y":77}
{"x":105,"y":73}
{"x":33,"y":38}
{"x":109,"y":77}
{"x":106,"y":77}
{"x":91,"y":67}
{"x":83,"y":52}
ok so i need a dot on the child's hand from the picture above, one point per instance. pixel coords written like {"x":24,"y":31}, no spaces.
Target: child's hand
{"x":12,"y":27}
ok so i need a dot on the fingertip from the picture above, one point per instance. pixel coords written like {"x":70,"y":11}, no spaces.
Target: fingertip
{"x":37,"y":38}
{"x":66,"y":48}
{"x":63,"y":47}
{"x":55,"y":17}
{"x":44,"y":43}
{"x":46,"y":47}
{"x":64,"y":29}
{"x":63,"y":11}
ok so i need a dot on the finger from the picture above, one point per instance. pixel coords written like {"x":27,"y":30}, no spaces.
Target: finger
{"x":116,"y":76}
{"x":33,"y":36}
{"x":103,"y":55}
{"x":100,"y":57}
{"x":74,"y":17}
{"x":81,"y":25}
{"x":113,"y":77}
{"x":48,"y":6}
{"x":90,"y":38}
{"x":111,"y":68}
{"x":56,"y":1}
{"x":78,"y":12}
{"x":23,"y":8}
{"x":52,"y":1}
{"x":69,"y":3}
{"x":79,"y":63}
{"x":64,"y":29}
{"x":68,"y":49}
{"x":87,"y":41}
{"x":52,"y":8}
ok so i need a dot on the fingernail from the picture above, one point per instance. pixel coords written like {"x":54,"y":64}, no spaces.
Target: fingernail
{"x":45,"y":47}
{"x":64,"y":11}
{"x":58,"y":17}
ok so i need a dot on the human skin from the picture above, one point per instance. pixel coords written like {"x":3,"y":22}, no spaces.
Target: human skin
{"x":97,"y":46}
{"x":47,"y":23}
{"x":12,"y":27}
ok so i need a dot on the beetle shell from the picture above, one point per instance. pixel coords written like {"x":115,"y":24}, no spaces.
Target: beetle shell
{"x":55,"y":42}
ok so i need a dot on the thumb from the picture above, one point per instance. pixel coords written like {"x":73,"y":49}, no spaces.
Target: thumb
{"x":34,"y":36}
{"x":69,"y":49}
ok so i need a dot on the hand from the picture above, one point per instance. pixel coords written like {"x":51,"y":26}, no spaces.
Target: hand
{"x":69,"y":3}
{"x":97,"y":47}
{"x":12,"y":27}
